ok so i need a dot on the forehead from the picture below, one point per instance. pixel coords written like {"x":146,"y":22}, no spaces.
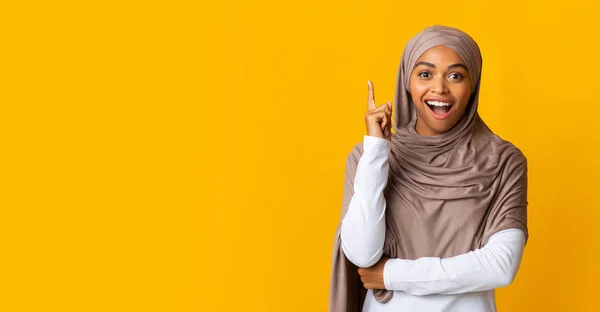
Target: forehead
{"x":441,"y":55}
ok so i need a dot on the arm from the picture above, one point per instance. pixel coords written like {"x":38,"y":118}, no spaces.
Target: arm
{"x":363,"y":226}
{"x":492,"y":266}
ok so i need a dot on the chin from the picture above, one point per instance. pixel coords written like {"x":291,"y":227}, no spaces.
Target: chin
{"x":441,"y":128}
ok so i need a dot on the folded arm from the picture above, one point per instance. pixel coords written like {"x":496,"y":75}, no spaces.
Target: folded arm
{"x":492,"y":266}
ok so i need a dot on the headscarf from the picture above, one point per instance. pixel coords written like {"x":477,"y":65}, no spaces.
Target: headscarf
{"x":447,"y":193}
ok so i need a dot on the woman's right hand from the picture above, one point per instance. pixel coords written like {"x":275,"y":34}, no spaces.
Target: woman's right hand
{"x":378,"y":119}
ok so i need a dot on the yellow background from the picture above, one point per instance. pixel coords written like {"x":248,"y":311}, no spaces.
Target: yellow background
{"x":189,"y":156}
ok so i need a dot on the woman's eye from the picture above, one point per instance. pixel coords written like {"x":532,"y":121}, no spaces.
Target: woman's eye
{"x":424,"y":74}
{"x":455,"y":76}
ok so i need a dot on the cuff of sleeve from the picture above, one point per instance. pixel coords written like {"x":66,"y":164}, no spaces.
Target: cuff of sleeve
{"x":370,"y":142}
{"x":388,"y":269}
{"x":396,"y":273}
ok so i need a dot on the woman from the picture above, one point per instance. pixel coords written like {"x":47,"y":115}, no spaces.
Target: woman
{"x":434,"y":215}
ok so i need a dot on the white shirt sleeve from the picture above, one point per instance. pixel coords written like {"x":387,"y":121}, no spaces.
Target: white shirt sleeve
{"x":492,"y":266}
{"x":363,"y":226}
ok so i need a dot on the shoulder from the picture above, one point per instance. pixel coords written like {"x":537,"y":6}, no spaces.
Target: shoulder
{"x":491,"y":143}
{"x":508,"y":150}
{"x":511,"y":159}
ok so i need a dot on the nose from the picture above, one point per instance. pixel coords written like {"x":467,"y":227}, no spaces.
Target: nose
{"x":439,"y":85}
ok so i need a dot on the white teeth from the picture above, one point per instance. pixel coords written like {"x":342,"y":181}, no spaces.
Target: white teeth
{"x":436,"y":103}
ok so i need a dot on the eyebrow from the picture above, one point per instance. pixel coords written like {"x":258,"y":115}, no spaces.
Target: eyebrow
{"x":449,"y":67}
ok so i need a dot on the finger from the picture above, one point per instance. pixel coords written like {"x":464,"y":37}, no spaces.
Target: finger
{"x":375,"y":117}
{"x":384,"y":127}
{"x":387,"y":106}
{"x":370,"y":96}
{"x":384,"y":122}
{"x":389,"y":113}
{"x":381,"y":109}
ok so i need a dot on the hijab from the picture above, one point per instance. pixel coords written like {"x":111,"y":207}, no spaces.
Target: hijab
{"x":447,"y":193}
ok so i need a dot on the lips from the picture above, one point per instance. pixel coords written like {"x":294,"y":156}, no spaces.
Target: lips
{"x":440,"y":109}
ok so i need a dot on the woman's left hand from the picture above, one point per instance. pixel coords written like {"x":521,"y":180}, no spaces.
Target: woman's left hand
{"x":372,"y":277}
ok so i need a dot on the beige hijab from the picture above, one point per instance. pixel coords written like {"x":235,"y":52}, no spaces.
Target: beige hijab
{"x":446,"y":194}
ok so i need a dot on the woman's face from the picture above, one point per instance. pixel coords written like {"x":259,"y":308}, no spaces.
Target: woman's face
{"x":440,"y":88}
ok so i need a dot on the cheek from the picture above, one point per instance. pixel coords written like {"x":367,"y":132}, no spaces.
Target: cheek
{"x":417,"y":91}
{"x":462,"y":94}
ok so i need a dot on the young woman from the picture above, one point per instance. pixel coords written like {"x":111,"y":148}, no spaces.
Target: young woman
{"x":434,"y":215}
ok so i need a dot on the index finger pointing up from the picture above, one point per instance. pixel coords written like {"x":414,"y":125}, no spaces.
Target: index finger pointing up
{"x":371,"y":96}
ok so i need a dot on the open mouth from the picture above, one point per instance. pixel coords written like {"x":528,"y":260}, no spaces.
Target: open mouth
{"x":439,"y":109}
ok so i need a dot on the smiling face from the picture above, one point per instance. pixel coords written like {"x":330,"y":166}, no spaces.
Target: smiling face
{"x":440,"y":87}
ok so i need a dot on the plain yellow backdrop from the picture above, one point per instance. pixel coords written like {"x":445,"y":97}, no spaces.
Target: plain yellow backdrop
{"x":189,"y":155}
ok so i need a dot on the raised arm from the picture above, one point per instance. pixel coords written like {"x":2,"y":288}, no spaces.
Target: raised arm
{"x":363,"y":226}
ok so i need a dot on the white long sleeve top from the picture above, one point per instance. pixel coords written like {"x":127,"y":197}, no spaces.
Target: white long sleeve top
{"x":463,"y":283}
